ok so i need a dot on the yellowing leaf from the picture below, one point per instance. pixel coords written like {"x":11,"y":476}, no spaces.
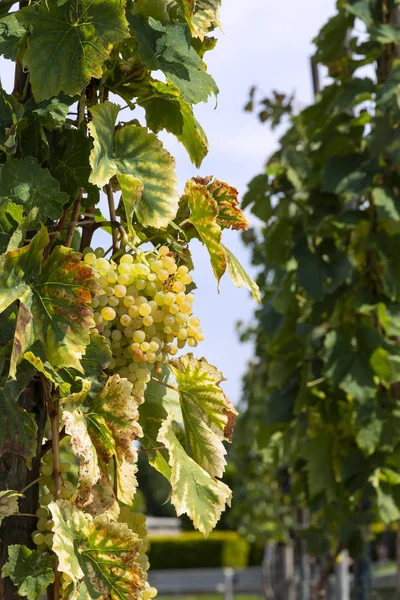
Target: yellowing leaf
{"x":230,"y":215}
{"x":208,"y":415}
{"x":194,"y":491}
{"x":102,"y":428}
{"x":89,"y":472}
{"x":206,"y":17}
{"x":133,"y":151}
{"x":9,"y":503}
{"x":100,"y":556}
{"x":240,"y":277}
{"x":113,"y":426}
{"x":204,"y":214}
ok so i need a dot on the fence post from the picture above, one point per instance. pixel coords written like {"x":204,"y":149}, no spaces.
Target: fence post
{"x":342,"y":577}
{"x":229,"y":575}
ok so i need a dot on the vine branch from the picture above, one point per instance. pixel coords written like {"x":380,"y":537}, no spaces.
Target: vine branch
{"x":113,"y":215}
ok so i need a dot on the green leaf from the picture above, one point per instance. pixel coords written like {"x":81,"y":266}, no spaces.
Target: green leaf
{"x":38,"y":361}
{"x":157,"y":9}
{"x":100,"y":556}
{"x":69,"y":43}
{"x":135,"y":152}
{"x":389,"y":318}
{"x":31,"y":571}
{"x":10,"y":113}
{"x":204,"y":213}
{"x":369,"y":435}
{"x":240,"y":277}
{"x":348,"y":365}
{"x":319,"y":455}
{"x":165,"y":109}
{"x":332,"y":38}
{"x":194,"y":492}
{"x":69,"y":163}
{"x":24,"y":182}
{"x":381,"y":365}
{"x":208,"y":415}
{"x":18,"y":237}
{"x":387,"y":203}
{"x":18,"y":434}
{"x":52,"y":114}
{"x":11,"y":217}
{"x":9,"y":503}
{"x":11,"y":33}
{"x":386,"y":34}
{"x":167,"y":48}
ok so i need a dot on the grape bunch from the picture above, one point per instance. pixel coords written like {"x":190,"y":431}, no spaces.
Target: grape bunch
{"x":144,"y":312}
{"x":43,"y":536}
{"x":137,"y":522}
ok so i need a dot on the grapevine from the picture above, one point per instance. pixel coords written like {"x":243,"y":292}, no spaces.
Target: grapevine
{"x":97,"y":349}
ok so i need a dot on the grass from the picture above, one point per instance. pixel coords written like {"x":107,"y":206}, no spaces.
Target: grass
{"x":387,"y":569}
{"x":208,"y":597}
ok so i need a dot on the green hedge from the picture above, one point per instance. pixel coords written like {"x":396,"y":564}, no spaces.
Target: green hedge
{"x":191,"y":550}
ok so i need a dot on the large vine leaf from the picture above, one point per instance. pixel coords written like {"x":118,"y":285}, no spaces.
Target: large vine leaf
{"x":69,"y":163}
{"x":113,"y":427}
{"x":100,"y":556}
{"x":9,"y":503}
{"x":168,"y":48}
{"x":204,"y":214}
{"x":24,"y":182}
{"x":18,"y":433}
{"x":31,"y":571}
{"x":240,"y":277}
{"x":208,"y":415}
{"x":54,"y":303}
{"x":194,"y":492}
{"x":133,"y":151}
{"x":104,"y":427}
{"x":165,"y":109}
{"x":69,"y":42}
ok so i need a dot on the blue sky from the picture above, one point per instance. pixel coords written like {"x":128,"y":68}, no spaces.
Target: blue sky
{"x":267,"y":44}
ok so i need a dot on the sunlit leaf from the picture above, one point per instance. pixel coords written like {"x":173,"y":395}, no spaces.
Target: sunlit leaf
{"x":194,"y":492}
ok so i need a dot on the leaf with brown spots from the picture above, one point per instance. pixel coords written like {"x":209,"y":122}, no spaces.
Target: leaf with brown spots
{"x":55,"y":298}
{"x":100,"y":556}
{"x":208,"y":415}
{"x":113,"y":427}
{"x":204,"y":215}
{"x":230,"y":215}
{"x":104,"y":428}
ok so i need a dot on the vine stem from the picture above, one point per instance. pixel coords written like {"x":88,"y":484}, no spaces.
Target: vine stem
{"x":113,"y":215}
{"x":74,"y":219}
{"x":170,"y":387}
{"x":53,"y":409}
